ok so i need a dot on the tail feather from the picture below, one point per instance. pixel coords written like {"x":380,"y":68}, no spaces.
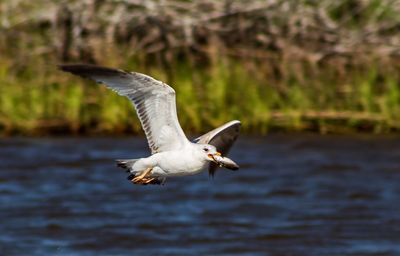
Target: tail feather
{"x":126,"y":163}
{"x":131,"y":176}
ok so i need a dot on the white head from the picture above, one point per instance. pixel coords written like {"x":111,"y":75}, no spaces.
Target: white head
{"x":209,"y":152}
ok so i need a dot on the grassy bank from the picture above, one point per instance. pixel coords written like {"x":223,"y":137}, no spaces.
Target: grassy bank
{"x":43,"y":100}
{"x":322,"y":66}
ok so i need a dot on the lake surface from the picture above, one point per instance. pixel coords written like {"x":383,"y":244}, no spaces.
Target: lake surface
{"x":294,"y":195}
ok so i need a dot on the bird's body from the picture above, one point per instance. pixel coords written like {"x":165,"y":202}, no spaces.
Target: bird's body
{"x":172,"y":153}
{"x":172,"y":163}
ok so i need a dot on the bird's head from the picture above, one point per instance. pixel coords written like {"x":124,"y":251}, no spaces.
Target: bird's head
{"x":209,"y":152}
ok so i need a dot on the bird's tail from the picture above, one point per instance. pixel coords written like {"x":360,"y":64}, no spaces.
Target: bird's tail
{"x":126,"y":164}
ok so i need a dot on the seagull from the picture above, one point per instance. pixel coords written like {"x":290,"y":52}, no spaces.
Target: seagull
{"x":172,"y":153}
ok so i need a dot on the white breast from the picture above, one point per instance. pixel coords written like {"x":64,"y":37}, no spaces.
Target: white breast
{"x":177,"y":163}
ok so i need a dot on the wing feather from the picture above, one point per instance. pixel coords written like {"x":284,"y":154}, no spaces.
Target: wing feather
{"x":153,"y":100}
{"x":222,"y":138}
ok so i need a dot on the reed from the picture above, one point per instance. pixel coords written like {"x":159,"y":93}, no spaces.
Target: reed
{"x":324,"y":66}
{"x":50,"y":101}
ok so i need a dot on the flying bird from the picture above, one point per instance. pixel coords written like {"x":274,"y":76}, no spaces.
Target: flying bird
{"x":172,"y":154}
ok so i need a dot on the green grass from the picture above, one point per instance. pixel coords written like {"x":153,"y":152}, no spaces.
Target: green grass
{"x":42,"y":100}
{"x":218,"y":77}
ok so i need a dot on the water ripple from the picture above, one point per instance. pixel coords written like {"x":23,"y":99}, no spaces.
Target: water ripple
{"x":295,"y":195}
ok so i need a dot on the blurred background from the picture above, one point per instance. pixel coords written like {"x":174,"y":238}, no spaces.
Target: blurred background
{"x":324,"y":66}
{"x":316,"y":85}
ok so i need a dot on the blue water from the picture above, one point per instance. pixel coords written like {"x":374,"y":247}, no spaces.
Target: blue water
{"x":294,"y":195}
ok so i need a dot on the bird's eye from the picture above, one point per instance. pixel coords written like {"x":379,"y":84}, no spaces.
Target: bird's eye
{"x":205,"y":149}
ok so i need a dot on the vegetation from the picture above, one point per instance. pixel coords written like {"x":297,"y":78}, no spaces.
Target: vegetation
{"x":326,"y":66}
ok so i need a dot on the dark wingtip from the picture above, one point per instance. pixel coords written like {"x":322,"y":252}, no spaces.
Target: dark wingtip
{"x":211,"y":174}
{"x":73,"y":68}
{"x":88,"y":71}
{"x":63,"y":67}
{"x":82,"y":70}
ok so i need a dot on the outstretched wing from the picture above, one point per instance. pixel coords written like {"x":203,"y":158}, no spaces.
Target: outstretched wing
{"x":153,"y":100}
{"x":222,"y":138}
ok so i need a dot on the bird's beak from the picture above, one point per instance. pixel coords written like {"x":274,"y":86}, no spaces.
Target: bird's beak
{"x":211,"y":156}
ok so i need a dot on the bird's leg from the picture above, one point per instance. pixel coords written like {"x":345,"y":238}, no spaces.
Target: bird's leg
{"x":141,"y":177}
{"x":147,"y":180}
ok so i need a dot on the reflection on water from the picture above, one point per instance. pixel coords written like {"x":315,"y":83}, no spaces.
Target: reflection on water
{"x":295,"y":195}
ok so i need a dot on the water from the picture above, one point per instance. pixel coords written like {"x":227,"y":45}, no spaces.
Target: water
{"x":294,"y":195}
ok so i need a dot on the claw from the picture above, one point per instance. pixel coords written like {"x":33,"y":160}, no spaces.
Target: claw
{"x":147,"y":181}
{"x":140,"y":179}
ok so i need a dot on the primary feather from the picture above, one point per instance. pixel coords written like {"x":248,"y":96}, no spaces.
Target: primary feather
{"x":153,"y":100}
